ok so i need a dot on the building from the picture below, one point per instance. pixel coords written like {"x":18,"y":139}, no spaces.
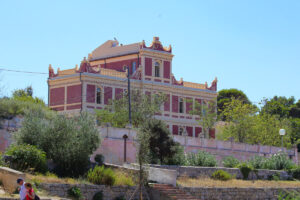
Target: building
{"x":102,"y":77}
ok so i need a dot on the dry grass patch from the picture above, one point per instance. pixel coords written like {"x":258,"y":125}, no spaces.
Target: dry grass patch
{"x":124,"y":177}
{"x":207,"y":182}
{"x":52,"y":178}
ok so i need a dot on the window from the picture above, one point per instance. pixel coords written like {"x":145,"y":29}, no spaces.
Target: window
{"x":157,"y":69}
{"x":181,"y":105}
{"x":98,"y":92}
{"x":133,"y":67}
{"x":180,"y":130}
{"x":125,"y":68}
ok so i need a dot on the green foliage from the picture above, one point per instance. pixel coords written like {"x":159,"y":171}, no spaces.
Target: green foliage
{"x":26,"y":95}
{"x":178,"y":158}
{"x":101,"y":176}
{"x":99,"y":158}
{"x":225,"y":96}
{"x":221,"y":175}
{"x":257,"y":162}
{"x":143,"y":108}
{"x":275,"y":177}
{"x":244,"y":125}
{"x":68,"y":141}
{"x":280,"y":106}
{"x":74,"y":192}
{"x":296,"y":173}
{"x":25,"y":157}
{"x":279,"y":161}
{"x":245,"y":170}
{"x":120,"y":198}
{"x":161,"y":144}
{"x":230,"y":162}
{"x":289,"y":195}
{"x":98,"y":196}
{"x":207,"y":114}
{"x":202,"y":158}
{"x":1,"y":160}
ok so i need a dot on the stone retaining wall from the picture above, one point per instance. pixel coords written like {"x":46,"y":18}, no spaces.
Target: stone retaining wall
{"x":208,"y":171}
{"x":237,"y":193}
{"x":88,"y":191}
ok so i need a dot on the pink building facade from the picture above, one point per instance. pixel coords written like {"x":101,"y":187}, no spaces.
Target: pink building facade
{"x":102,"y":77}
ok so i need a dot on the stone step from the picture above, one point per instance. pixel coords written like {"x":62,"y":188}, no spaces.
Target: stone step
{"x":173,"y":193}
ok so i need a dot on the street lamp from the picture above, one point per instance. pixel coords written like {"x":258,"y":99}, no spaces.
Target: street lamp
{"x":282,"y":133}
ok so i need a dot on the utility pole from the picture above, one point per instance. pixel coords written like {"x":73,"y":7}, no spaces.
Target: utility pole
{"x":129,"y":99}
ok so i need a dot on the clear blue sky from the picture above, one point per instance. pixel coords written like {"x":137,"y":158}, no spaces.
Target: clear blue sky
{"x":250,"y":45}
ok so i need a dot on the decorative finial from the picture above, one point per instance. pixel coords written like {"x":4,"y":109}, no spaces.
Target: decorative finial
{"x":76,"y":67}
{"x":50,"y":67}
{"x":205,"y":84}
{"x":58,"y":70}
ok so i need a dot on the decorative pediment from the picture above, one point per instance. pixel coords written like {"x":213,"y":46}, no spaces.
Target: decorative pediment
{"x":156,"y":45}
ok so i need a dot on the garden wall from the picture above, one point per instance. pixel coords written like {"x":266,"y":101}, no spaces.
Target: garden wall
{"x":112,"y":147}
{"x":88,"y":191}
{"x":191,"y":171}
{"x":237,"y":193}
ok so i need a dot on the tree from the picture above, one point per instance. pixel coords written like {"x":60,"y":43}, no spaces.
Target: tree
{"x":26,"y":95}
{"x":207,"y":114}
{"x":239,"y":118}
{"x":161,"y":144}
{"x":68,"y":141}
{"x":143,"y":108}
{"x":225,"y":96}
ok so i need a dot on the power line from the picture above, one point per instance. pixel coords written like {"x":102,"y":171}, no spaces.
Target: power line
{"x":20,"y":71}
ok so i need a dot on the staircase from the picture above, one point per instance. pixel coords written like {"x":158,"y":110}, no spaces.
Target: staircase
{"x":168,"y":192}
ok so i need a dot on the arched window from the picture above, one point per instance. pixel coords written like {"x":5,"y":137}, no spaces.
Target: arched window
{"x":157,"y":69}
{"x":98,"y":95}
{"x":181,"y":105}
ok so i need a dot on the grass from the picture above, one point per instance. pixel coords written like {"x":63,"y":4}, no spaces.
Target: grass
{"x":124,"y":178}
{"x":207,"y":182}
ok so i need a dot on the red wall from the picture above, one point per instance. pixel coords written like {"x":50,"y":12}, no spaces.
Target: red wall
{"x":120,"y":64}
{"x":167,"y":69}
{"x":175,"y":104}
{"x":148,"y":66}
{"x":175,"y":130}
{"x":90,"y":93}
{"x":198,"y":130}
{"x":189,"y":131}
{"x":107,"y":94}
{"x":74,"y":107}
{"x":118,"y":93}
{"x":74,"y":94}
{"x":57,"y":96}
{"x":167,"y":103}
{"x":212,"y":133}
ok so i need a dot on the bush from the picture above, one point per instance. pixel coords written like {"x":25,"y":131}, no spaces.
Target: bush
{"x":202,"y":158}
{"x":279,"y":161}
{"x":98,"y":196}
{"x":99,"y":158}
{"x":245,"y":170}
{"x":101,"y":176}
{"x":296,"y":173}
{"x":221,"y":175}
{"x":257,"y":162}
{"x":274,"y":177}
{"x":120,"y":198}
{"x":230,"y":162}
{"x":123,"y":179}
{"x":1,"y":160}
{"x":74,"y":192}
{"x":25,"y":157}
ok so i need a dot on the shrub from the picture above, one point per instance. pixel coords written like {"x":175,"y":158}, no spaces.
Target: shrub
{"x":230,"y":162}
{"x":123,"y":179}
{"x":25,"y":157}
{"x":245,"y":170}
{"x":99,"y":158}
{"x":296,"y":173}
{"x":221,"y":175}
{"x":202,"y":158}
{"x":1,"y":160}
{"x":279,"y":161}
{"x":74,"y":192}
{"x":101,"y":176}
{"x":98,"y":196}
{"x":257,"y":162}
{"x":120,"y":198}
